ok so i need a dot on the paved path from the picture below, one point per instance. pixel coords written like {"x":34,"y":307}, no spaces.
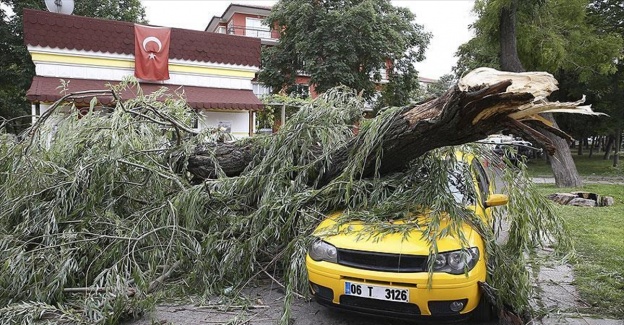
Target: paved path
{"x":557,"y":295}
{"x":558,"y":298}
{"x":586,"y":180}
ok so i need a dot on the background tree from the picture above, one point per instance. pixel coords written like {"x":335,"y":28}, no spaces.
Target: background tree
{"x":608,"y":17}
{"x":604,"y":91}
{"x":345,"y":42}
{"x":549,"y":35}
{"x":124,"y":10}
{"x":441,"y":86}
{"x":609,"y":93}
{"x":580,"y":128}
{"x":16,"y":67}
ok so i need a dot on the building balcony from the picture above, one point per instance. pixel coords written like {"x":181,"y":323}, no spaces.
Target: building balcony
{"x":267,"y":36}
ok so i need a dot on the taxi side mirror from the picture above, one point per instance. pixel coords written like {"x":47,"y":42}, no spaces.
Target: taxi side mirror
{"x":496,"y":200}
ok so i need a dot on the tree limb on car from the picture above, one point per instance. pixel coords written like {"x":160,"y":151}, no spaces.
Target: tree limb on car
{"x":484,"y":102}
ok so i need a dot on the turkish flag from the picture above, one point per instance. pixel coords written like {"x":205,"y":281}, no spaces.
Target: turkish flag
{"x":151,"y":52}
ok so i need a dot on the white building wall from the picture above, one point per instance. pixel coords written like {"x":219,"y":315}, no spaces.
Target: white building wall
{"x":237,"y":120}
{"x":117,"y":74}
{"x":202,"y":74}
{"x":64,"y":63}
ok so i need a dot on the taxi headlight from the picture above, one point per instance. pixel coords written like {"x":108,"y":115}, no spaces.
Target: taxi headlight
{"x":456,"y":262}
{"x":323,"y":251}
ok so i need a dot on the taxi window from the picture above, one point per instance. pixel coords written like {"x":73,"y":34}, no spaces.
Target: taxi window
{"x":462,"y":191}
{"x":482,"y":180}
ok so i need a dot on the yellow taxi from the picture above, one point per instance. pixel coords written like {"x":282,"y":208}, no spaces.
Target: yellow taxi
{"x":389,"y":275}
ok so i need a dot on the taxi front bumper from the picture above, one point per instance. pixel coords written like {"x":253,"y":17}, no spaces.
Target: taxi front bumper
{"x":439,"y":299}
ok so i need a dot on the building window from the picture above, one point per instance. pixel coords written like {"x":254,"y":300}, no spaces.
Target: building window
{"x":261,"y":90}
{"x":384,"y":73}
{"x":195,"y":121}
{"x":221,"y":30}
{"x":256,"y":28}
{"x":299,"y":91}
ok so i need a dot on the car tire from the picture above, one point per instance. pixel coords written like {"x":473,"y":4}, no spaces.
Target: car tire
{"x":484,"y":311}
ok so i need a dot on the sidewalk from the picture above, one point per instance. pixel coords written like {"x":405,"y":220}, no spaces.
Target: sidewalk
{"x":557,"y":296}
{"x":586,"y":180}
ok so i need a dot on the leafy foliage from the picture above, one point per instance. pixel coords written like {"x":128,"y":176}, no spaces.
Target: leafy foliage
{"x":551,"y":35}
{"x":266,"y":118}
{"x":124,"y":10}
{"x":344,"y":43}
{"x":603,"y":85}
{"x":441,"y":86}
{"x":608,"y":15}
{"x":16,"y":67}
{"x":98,"y":217}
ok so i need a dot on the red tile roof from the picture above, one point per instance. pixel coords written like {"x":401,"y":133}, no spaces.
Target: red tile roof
{"x":99,"y":35}
{"x":45,"y":89}
{"x":251,"y":6}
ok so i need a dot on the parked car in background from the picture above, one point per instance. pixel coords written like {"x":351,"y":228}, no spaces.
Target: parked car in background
{"x":512,"y":148}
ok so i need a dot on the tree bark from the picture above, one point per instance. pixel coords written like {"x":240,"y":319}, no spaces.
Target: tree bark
{"x":579,"y":150}
{"x":457,"y":117}
{"x":592,"y":145}
{"x":562,"y":164}
{"x":451,"y":119}
{"x":509,"y":59}
{"x":608,"y":146}
{"x":232,"y":158}
{"x":444,"y":121}
{"x":618,"y":145}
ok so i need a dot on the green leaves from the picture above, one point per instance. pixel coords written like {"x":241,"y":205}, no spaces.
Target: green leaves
{"x":552,"y":35}
{"x":341,"y":43}
{"x":93,"y":203}
{"x":98,"y":219}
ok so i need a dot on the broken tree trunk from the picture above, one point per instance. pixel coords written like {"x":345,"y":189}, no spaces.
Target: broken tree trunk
{"x":486,"y":101}
{"x":562,"y":164}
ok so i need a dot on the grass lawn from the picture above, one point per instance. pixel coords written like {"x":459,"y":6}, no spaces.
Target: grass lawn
{"x":598,"y":235}
{"x":594,"y":166}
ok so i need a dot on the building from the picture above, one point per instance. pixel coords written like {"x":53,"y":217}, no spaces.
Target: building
{"x":247,"y":20}
{"x":426,"y":82}
{"x":214,"y":71}
{"x":244,"y":20}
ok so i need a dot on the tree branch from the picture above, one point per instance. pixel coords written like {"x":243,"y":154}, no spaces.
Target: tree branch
{"x":484,"y":102}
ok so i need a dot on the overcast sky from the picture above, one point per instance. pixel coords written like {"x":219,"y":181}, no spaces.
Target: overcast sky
{"x":448,"y":20}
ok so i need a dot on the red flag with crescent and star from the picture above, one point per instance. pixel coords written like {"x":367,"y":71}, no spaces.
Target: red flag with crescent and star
{"x":151,"y":52}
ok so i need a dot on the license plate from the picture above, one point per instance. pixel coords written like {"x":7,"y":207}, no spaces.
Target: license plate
{"x":376,"y":292}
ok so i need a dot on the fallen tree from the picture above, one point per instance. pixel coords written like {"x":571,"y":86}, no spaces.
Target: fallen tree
{"x":98,"y":216}
{"x":485,"y":102}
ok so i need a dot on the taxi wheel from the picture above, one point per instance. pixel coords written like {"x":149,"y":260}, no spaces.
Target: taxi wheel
{"x":483,"y":312}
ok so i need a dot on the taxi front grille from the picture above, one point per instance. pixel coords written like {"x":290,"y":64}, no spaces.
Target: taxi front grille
{"x":379,"y":305}
{"x":382,"y":261}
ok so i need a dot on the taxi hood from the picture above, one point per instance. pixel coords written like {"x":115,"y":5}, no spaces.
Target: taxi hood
{"x":394,"y":237}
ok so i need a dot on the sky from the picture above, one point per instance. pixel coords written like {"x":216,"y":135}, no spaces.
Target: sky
{"x":447,"y":20}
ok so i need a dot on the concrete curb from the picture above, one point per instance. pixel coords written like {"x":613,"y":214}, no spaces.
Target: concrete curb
{"x":557,"y":296}
{"x":551,"y":180}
